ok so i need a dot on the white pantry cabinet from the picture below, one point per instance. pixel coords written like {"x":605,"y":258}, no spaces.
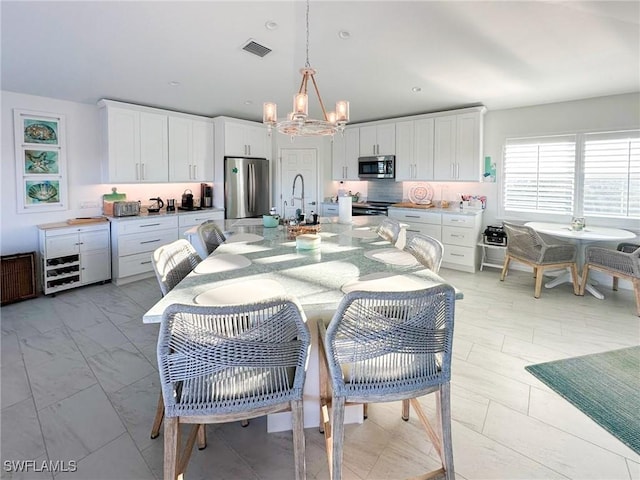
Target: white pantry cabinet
{"x":135,"y":144}
{"x":345,"y":151}
{"x":458,"y":146}
{"x":378,"y":139}
{"x":71,"y":256}
{"x":190,"y":149}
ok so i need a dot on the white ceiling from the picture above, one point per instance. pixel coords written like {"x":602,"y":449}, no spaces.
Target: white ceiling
{"x":500,"y":54}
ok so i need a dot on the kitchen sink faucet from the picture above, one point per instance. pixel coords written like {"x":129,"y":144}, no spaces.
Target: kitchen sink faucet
{"x":293,"y":191}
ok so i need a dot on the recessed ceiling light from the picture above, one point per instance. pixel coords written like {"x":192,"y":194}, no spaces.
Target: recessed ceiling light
{"x":173,"y":83}
{"x":248,"y":102}
{"x":344,"y":34}
{"x":271,"y":25}
{"x":416,"y":89}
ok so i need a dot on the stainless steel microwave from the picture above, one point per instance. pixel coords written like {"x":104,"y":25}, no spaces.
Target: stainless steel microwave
{"x":380,"y":166}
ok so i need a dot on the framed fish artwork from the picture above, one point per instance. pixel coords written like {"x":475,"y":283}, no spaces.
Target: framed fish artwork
{"x":40,"y":150}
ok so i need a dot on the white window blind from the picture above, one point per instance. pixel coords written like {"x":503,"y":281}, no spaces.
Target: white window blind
{"x":612,"y":174}
{"x":539,"y":175}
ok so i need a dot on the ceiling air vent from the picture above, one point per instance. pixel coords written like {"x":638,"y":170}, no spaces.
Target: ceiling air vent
{"x":254,"y":47}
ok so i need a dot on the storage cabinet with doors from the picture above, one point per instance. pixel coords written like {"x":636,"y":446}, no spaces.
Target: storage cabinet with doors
{"x":71,"y":256}
{"x":378,"y":139}
{"x":244,"y":139}
{"x":133,"y":241}
{"x":135,"y":143}
{"x":345,"y":152}
{"x":419,"y":221}
{"x":414,"y":149}
{"x":190,"y":149}
{"x":458,"y":146}
{"x":329,"y":209}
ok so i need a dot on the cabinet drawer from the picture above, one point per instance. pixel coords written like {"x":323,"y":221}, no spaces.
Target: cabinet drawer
{"x":416,"y":217}
{"x":459,"y":255}
{"x":330,"y":210}
{"x":425,"y":229}
{"x":94,"y":241}
{"x":145,"y":242}
{"x":465,"y":221}
{"x":147,"y":225}
{"x":60,"y":245}
{"x":464,"y":237}
{"x":135,"y":264}
{"x":194,"y":219}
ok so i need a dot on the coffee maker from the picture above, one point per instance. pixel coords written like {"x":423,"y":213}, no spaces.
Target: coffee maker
{"x":206,"y":195}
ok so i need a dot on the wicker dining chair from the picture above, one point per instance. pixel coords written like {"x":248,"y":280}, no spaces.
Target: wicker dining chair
{"x":220,"y":364}
{"x":384,"y":347}
{"x":527,"y":246}
{"x":427,"y":250}
{"x":210,"y":235}
{"x":389,"y":229}
{"x":617,"y":263}
{"x":171,"y":263}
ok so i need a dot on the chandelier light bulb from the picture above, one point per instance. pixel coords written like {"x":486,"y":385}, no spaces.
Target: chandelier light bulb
{"x":270,"y":113}
{"x":300,"y":104}
{"x":331,"y":117}
{"x":342,"y":111}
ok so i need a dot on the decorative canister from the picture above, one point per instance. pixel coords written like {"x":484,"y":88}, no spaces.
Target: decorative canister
{"x":577,"y":224}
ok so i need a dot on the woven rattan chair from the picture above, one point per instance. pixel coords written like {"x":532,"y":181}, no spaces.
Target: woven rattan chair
{"x":210,"y":235}
{"x":384,"y":347}
{"x":527,"y":246}
{"x":616,"y":263}
{"x":427,"y":250}
{"x":171,"y":264}
{"x":389,"y":229}
{"x":226,"y":363}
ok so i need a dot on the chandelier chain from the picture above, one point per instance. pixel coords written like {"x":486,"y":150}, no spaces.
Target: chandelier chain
{"x":307,"y":64}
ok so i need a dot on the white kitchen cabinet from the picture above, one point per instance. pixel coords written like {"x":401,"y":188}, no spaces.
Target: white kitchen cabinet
{"x":188,"y":220}
{"x":345,"y":153}
{"x":458,"y":146}
{"x":190,"y":149}
{"x":419,"y":221}
{"x":414,"y":150}
{"x":329,"y":209}
{"x":378,"y":139}
{"x":245,"y":140}
{"x":135,"y":144}
{"x":72,"y":256}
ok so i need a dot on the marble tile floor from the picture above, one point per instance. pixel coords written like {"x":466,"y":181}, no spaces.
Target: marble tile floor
{"x":79,"y":382}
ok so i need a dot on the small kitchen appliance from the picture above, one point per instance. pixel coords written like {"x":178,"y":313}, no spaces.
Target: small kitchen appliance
{"x":381,"y":166}
{"x":206,"y":195}
{"x":126,"y":209}
{"x":156,"y":205}
{"x":495,"y":235}
{"x":187,"y":200}
{"x":171,"y":204}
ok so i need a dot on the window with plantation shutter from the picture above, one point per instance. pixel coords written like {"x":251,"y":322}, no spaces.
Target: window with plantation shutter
{"x":539,"y":175}
{"x":612,"y":174}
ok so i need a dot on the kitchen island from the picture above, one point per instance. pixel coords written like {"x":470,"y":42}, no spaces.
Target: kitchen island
{"x":257,"y":262}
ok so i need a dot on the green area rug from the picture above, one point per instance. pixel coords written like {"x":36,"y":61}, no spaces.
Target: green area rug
{"x":605,"y":386}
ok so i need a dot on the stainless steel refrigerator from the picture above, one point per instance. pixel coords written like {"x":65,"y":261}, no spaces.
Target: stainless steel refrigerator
{"x":246,"y":187}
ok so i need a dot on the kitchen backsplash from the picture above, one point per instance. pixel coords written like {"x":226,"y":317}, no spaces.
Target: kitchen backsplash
{"x":384,"y":191}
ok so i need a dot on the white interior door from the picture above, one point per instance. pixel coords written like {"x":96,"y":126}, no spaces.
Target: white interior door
{"x":302,"y":161}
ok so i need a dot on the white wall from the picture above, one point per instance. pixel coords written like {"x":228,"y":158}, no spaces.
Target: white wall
{"x":18,"y":231}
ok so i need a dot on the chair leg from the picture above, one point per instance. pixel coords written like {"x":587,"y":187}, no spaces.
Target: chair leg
{"x":574,"y":279}
{"x":244,"y":423}
{"x":505,"y":267}
{"x":298,"y":440}
{"x":365,"y":411}
{"x":171,"y":447}
{"x":636,"y":289}
{"x":538,"y":273}
{"x":614,"y":284}
{"x":445,"y":419}
{"x":583,"y":280}
{"x":405,"y":410}
{"x":202,"y":436}
{"x":337,"y":438}
{"x":157,"y":421}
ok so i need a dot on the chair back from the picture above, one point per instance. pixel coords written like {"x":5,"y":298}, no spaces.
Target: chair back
{"x":427,"y":250}
{"x":210,"y":235}
{"x":230,"y":359}
{"x":391,"y":344}
{"x":389,"y":229}
{"x":173,"y":262}
{"x":523,"y":242}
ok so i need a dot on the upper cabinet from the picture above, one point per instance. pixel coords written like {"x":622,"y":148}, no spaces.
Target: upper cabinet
{"x":149,"y":145}
{"x":135,"y":146}
{"x":378,"y":139}
{"x":190,"y":149}
{"x":414,"y":150}
{"x":345,"y":152}
{"x":458,"y":146}
{"x":245,"y":140}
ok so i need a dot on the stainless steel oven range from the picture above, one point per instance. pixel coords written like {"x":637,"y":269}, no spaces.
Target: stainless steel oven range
{"x":370,"y":208}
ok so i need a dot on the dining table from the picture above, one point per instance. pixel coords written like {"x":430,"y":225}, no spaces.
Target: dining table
{"x":581,"y":238}
{"x":256,"y":263}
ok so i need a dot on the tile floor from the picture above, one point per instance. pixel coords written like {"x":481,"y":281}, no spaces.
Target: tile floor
{"x":79,"y":382}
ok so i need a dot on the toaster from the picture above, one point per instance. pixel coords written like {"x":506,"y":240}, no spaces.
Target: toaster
{"x":126,"y":209}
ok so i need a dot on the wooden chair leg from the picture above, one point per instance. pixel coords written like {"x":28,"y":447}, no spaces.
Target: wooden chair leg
{"x":202,"y":436}
{"x":445,"y":419}
{"x":298,"y":440}
{"x":538,"y":273}
{"x":505,"y":267}
{"x":157,"y":421}
{"x":583,"y":280}
{"x":636,"y":289}
{"x":614,"y":284}
{"x":337,"y":438}
{"x":574,"y":279}
{"x":365,"y":411}
{"x":244,"y":423}
{"x":405,"y":410}
{"x":171,"y":447}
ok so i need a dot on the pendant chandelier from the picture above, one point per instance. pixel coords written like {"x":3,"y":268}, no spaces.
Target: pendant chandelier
{"x":298,"y":122}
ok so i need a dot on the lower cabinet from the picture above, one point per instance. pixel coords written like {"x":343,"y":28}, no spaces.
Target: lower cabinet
{"x":458,"y":232}
{"x":71,"y":256}
{"x":329,"y":209}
